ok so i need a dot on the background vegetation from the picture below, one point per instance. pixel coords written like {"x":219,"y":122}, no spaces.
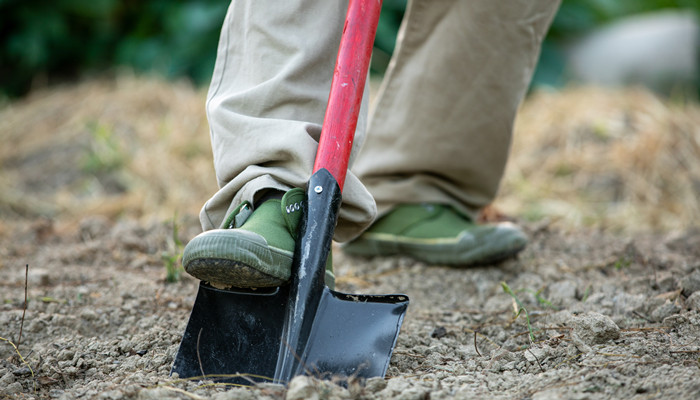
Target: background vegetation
{"x":45,"y":41}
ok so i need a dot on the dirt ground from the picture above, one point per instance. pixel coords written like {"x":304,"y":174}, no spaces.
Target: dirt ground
{"x":609,"y":286}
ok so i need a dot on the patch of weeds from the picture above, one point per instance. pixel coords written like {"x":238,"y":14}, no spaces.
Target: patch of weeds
{"x":521,"y":309}
{"x":105,"y":153}
{"x":172,"y":256}
{"x":622,"y":263}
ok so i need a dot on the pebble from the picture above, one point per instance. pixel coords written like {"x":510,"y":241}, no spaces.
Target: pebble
{"x":594,"y":328}
{"x":374,"y":385}
{"x":693,"y":301}
{"x":690,"y":283}
{"x":664,"y":311}
{"x":158,"y":394}
{"x":7,"y":379}
{"x":12,"y":388}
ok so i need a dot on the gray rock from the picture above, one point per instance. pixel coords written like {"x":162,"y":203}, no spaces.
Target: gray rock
{"x":12,"y":388}
{"x":7,"y":379}
{"x":664,"y":311}
{"x":693,"y":301}
{"x":157,"y":394}
{"x":594,"y":328}
{"x":374,"y":385}
{"x":690,"y":283}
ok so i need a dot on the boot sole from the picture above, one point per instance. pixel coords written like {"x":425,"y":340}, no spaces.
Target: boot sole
{"x":243,"y":259}
{"x":460,"y":251}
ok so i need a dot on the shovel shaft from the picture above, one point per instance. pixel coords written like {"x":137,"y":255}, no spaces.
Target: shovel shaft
{"x":348,"y":84}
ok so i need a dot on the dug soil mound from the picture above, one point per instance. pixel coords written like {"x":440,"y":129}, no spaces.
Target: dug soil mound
{"x":102,"y":183}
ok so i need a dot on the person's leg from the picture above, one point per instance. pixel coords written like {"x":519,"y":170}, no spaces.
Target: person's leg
{"x":265,"y":107}
{"x":441,"y":129}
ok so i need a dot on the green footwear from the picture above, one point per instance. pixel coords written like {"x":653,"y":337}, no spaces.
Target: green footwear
{"x":254,"y":250}
{"x":438,"y":234}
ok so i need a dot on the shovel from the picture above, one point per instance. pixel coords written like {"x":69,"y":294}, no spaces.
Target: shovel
{"x":246,"y":336}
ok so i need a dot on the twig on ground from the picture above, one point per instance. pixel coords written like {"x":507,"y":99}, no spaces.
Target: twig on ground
{"x":24,"y":307}
{"x":683,"y":351}
{"x":475,"y":347}
{"x":403,"y":353}
{"x":536,"y":359}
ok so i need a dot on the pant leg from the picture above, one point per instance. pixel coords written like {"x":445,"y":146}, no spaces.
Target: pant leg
{"x":267,"y":101}
{"x":441,"y":129}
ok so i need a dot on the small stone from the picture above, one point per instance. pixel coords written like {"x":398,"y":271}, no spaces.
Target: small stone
{"x":693,"y":301}
{"x":415,"y":393}
{"x":374,"y":385}
{"x":302,"y":388}
{"x":675,"y":320}
{"x":664,"y":311}
{"x":12,"y":388}
{"x":439,"y":332}
{"x":667,"y":283}
{"x":157,"y":394}
{"x":690,"y":284}
{"x":594,"y":328}
{"x":561,"y":292}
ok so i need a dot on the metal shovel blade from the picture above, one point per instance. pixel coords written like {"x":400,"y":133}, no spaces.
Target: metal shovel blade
{"x":236,"y":337}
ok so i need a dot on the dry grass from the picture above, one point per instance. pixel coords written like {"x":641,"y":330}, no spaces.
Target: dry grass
{"x":619,"y":159}
{"x":137,"y":147}
{"x":624,"y":160}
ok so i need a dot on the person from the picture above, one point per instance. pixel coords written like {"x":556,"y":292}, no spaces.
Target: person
{"x":437,"y":143}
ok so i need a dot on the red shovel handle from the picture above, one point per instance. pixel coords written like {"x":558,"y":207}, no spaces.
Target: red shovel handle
{"x":347,"y":87}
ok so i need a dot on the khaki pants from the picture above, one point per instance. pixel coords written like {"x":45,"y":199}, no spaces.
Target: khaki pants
{"x":442,"y":123}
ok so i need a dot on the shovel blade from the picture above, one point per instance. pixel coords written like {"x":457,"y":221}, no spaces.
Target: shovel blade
{"x":236,"y":337}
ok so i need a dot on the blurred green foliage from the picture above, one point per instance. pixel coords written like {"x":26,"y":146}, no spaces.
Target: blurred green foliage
{"x":51,"y":40}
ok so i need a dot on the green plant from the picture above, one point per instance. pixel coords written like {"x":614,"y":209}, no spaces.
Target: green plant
{"x":521,"y":309}
{"x":622,"y":263}
{"x":541,"y":300}
{"x":173,"y":256}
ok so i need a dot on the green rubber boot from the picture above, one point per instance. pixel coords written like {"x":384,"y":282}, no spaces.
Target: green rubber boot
{"x":438,"y":234}
{"x":255,"y":250}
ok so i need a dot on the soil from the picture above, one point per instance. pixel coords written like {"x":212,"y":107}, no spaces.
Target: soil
{"x":592,"y":312}
{"x":610,"y":318}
